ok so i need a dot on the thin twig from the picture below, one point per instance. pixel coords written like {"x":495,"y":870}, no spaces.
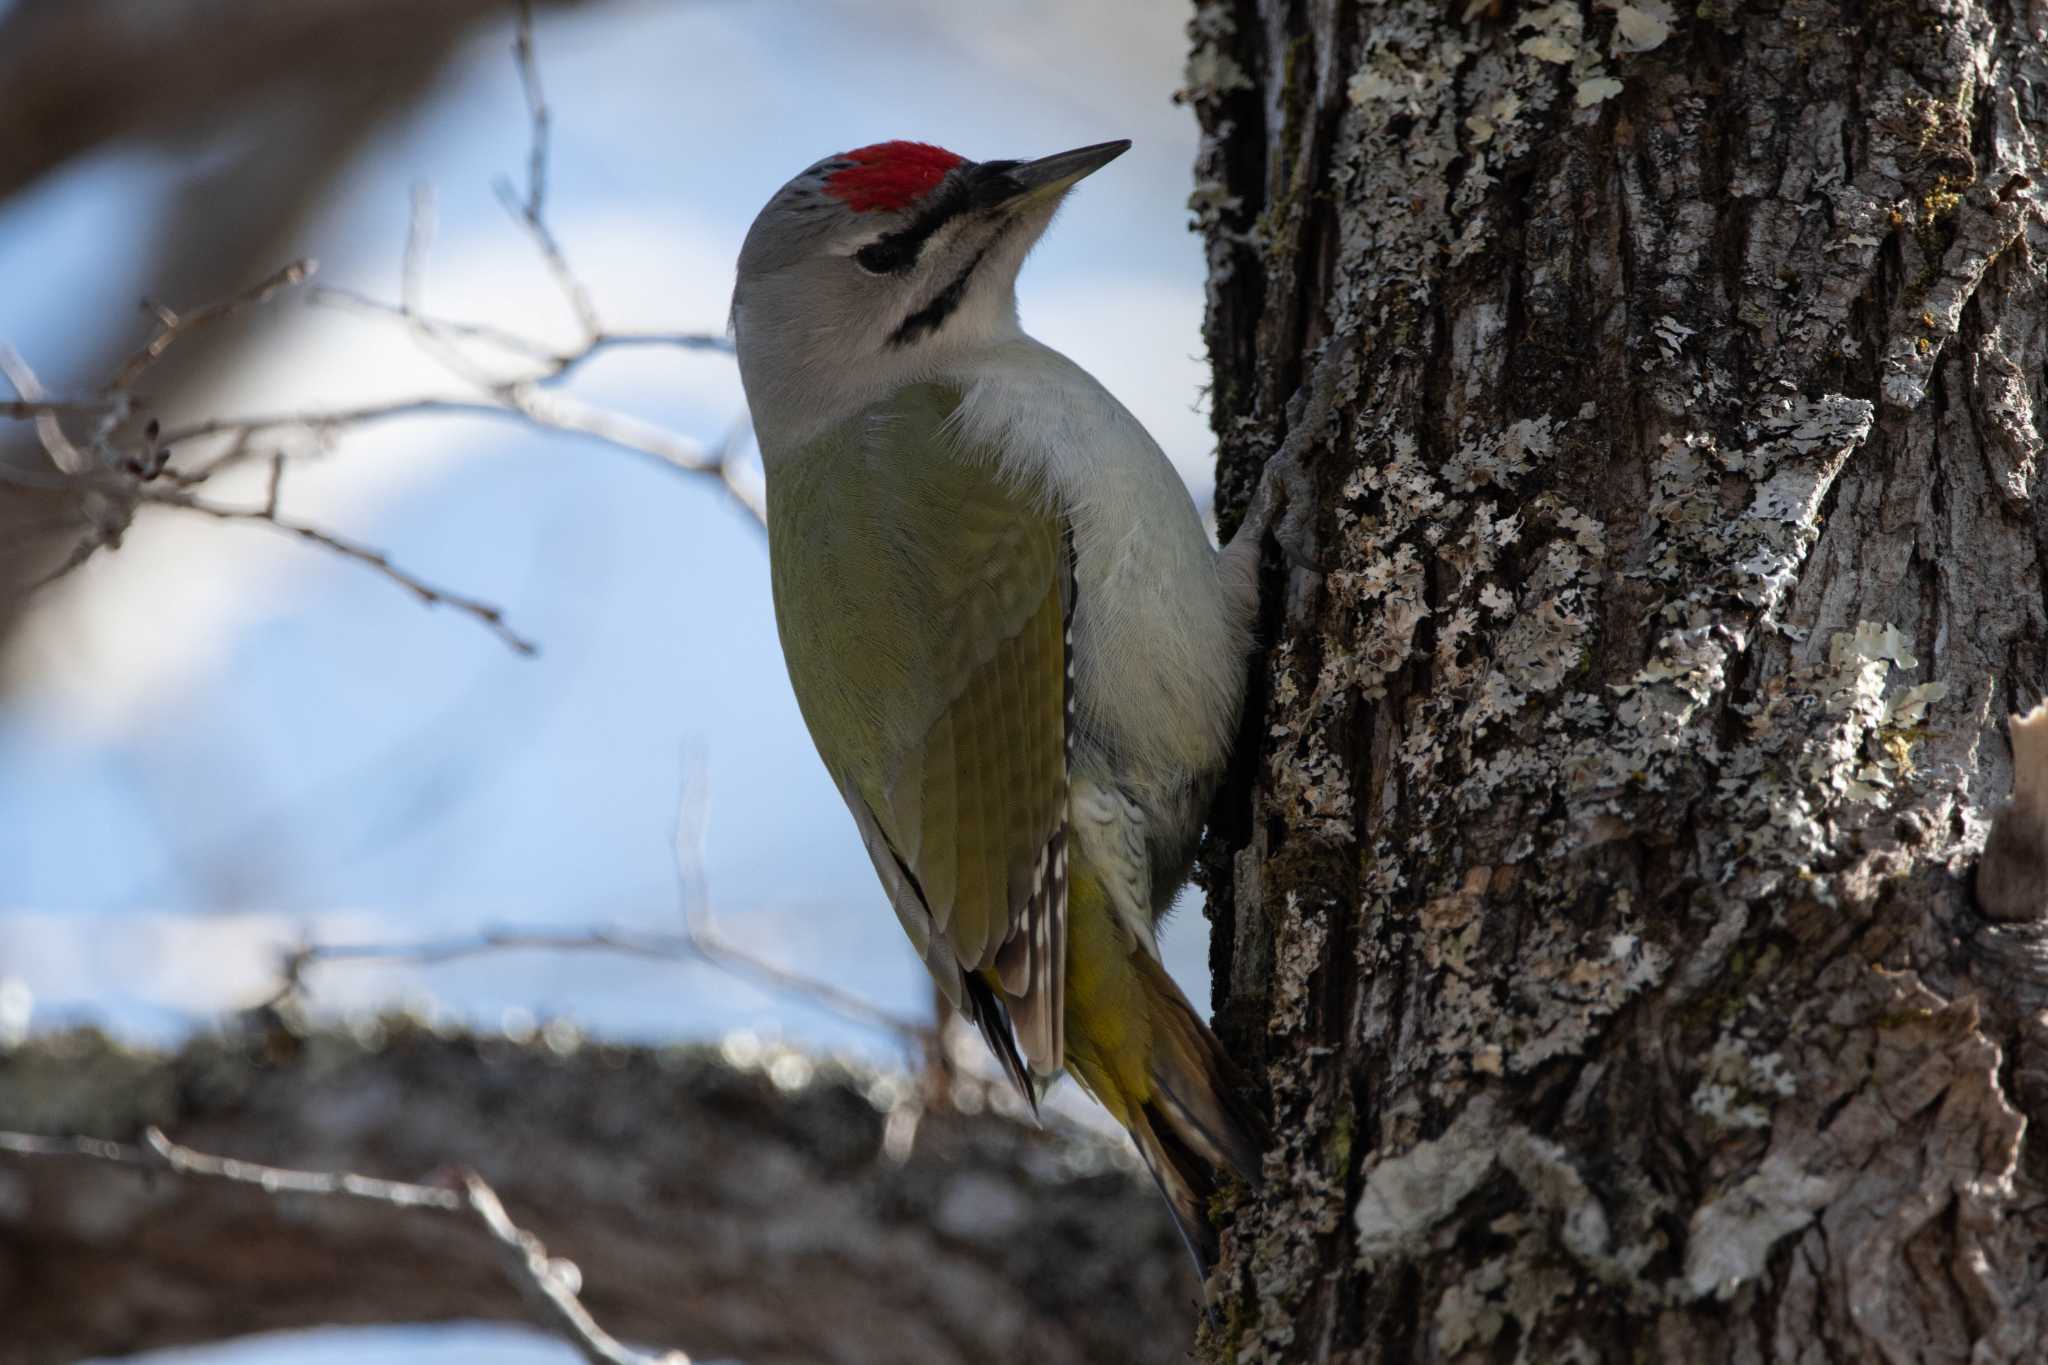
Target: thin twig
{"x":696,"y":943}
{"x":328,"y":421}
{"x":67,"y":457}
{"x":236,"y":451}
{"x":116,"y":476}
{"x":567,"y":362}
{"x":21,"y":411}
{"x":531,"y":212}
{"x":445,"y":350}
{"x":419,"y":241}
{"x":548,"y":1284}
{"x":523,"y":402}
{"x":699,"y":941}
{"x":557,"y":363}
{"x":428,"y":593}
{"x":173,"y":326}
{"x":525,"y":347}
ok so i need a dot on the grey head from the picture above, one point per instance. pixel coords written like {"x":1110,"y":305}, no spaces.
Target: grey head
{"x":881,"y":267}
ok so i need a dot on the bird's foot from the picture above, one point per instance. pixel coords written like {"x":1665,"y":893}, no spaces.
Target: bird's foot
{"x":1283,"y":504}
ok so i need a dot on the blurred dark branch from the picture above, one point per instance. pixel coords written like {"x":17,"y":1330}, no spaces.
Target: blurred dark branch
{"x":77,"y":74}
{"x":550,"y":1286}
{"x":316,"y":79}
{"x":19,"y":410}
{"x":776,"y":1213}
{"x":117,"y":472}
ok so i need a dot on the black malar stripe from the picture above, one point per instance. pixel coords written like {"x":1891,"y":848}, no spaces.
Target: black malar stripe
{"x":933,"y":315}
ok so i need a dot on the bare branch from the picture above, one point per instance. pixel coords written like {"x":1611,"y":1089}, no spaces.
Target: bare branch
{"x":523,"y":401}
{"x":700,"y":1197}
{"x":275,"y":1180}
{"x":330,"y":421}
{"x":556,"y":364}
{"x":444,"y":349}
{"x":548,"y":1285}
{"x":113,"y":472}
{"x":63,"y":454}
{"x":503,"y":338}
{"x":276,"y":478}
{"x":698,"y":943}
{"x":559,"y":412}
{"x":419,"y":240}
{"x":173,"y":326}
{"x":531,"y":211}
{"x":537,"y":108}
{"x":567,"y":362}
{"x":428,"y":593}
{"x":21,"y":411}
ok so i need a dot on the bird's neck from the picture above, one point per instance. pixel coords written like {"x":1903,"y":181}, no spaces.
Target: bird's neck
{"x":794,"y":404}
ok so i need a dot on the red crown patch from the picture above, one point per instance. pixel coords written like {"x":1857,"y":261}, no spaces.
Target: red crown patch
{"x":889,"y":175}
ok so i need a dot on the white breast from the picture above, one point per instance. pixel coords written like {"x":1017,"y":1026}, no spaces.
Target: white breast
{"x":1159,"y":649}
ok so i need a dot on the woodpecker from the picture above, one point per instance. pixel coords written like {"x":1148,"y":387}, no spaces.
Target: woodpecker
{"x":1019,"y":655}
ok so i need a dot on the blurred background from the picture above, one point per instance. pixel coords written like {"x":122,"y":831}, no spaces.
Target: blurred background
{"x":218,"y":741}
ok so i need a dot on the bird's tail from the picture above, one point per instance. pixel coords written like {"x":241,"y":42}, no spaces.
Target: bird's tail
{"x":1139,"y":1047}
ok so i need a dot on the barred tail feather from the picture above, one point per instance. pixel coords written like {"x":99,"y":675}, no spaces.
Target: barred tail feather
{"x":1137,"y":1045}
{"x":1193,"y":1126}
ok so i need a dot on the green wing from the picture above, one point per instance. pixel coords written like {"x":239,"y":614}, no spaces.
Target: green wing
{"x":923,"y":600}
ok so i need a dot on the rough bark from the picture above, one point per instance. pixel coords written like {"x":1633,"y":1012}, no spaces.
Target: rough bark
{"x":1596,"y":893}
{"x":753,"y":1212}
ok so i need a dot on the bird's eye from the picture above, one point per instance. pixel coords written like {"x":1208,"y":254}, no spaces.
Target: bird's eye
{"x":884,"y":257}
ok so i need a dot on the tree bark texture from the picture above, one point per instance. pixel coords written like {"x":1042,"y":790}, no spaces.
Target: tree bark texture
{"x":1595,"y":893}
{"x":778,"y":1212}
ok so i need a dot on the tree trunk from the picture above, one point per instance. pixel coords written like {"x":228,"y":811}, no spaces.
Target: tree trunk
{"x":1595,"y":892}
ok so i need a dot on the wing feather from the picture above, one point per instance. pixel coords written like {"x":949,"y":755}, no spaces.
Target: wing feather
{"x":929,"y":644}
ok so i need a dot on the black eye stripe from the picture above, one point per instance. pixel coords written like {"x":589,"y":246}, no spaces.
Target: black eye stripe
{"x":895,"y":252}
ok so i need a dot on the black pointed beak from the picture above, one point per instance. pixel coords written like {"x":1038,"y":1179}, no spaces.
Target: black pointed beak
{"x":1003,"y":182}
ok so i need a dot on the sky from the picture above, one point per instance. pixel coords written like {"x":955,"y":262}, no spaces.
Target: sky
{"x":217,"y":741}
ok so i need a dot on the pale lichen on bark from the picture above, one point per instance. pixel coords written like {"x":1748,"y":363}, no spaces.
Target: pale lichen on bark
{"x":1682,"y":535}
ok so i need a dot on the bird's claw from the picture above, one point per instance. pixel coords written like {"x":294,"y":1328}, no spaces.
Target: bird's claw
{"x":1283,"y":505}
{"x":1284,"y":502}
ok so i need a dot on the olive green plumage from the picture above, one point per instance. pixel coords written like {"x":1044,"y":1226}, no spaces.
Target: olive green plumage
{"x":922,"y":602}
{"x":923,"y":598}
{"x":1020,"y":656}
